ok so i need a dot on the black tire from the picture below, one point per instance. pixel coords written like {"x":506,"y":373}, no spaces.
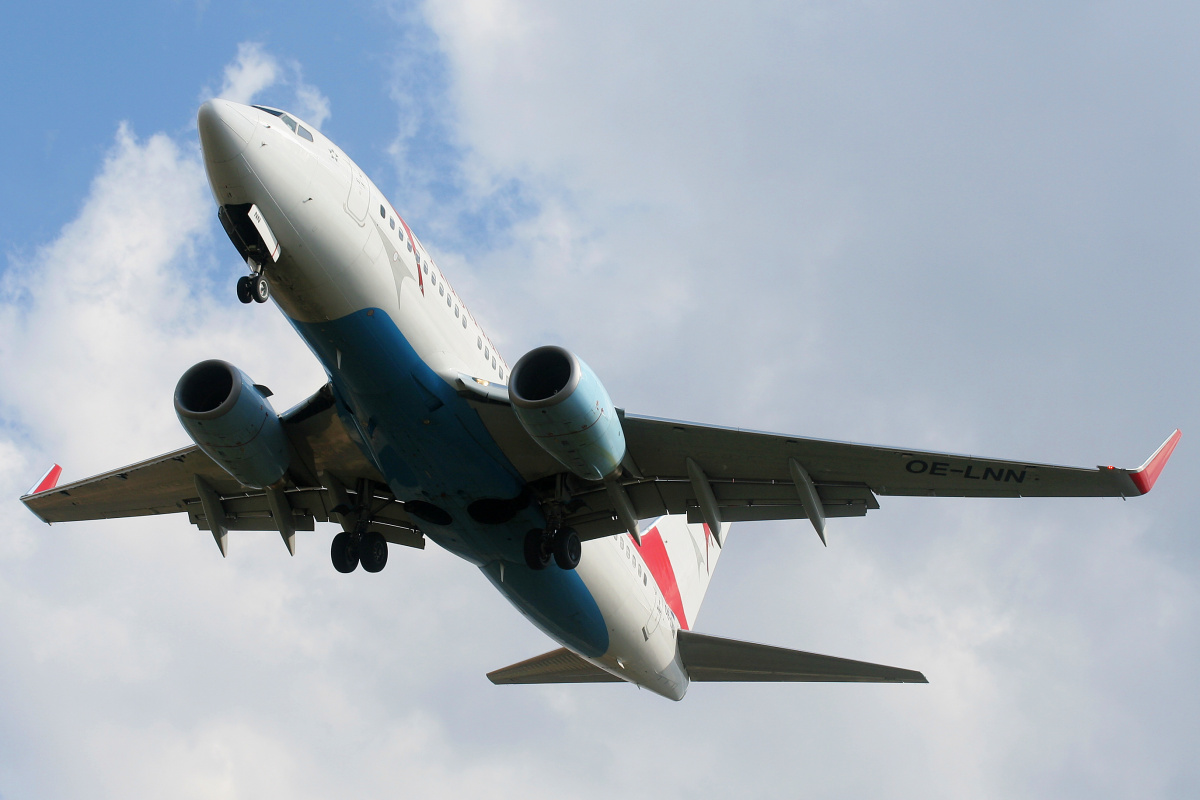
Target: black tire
{"x":260,"y":289}
{"x":535,"y":556}
{"x":344,"y":552}
{"x":245,"y":292}
{"x":373,"y":552}
{"x":567,"y":548}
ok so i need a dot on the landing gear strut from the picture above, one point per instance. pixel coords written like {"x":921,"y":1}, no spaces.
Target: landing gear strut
{"x":561,"y":544}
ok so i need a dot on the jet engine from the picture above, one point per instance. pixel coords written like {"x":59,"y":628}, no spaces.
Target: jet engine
{"x":229,"y":417}
{"x":562,"y":404}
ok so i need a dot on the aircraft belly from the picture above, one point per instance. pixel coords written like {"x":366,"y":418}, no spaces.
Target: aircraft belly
{"x":428,"y":442}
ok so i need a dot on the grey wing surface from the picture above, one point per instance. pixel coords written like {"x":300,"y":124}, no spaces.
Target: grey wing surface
{"x":328,"y":471}
{"x":721,"y":475}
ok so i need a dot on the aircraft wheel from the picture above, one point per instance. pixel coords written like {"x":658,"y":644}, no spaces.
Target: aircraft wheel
{"x":260,"y":289}
{"x":373,"y":552}
{"x":245,"y":292}
{"x":567,"y":548}
{"x":536,"y":556}
{"x":344,"y":552}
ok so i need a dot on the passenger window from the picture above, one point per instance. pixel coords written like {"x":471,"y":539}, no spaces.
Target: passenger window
{"x":392,"y":222}
{"x":382,"y":212}
{"x":502,"y":373}
{"x":456,"y":311}
{"x":448,"y":304}
{"x":426,"y":269}
{"x":485,"y":354}
{"x":442,"y":289}
{"x":304,"y":134}
{"x":493,"y":362}
{"x":464,"y":318}
{"x":478,"y":342}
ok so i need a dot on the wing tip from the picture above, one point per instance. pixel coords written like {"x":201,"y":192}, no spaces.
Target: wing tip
{"x":47,"y":482}
{"x":1145,"y":476}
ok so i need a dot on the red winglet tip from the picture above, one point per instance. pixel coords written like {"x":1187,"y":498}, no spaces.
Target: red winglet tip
{"x":1144,"y":476}
{"x":48,"y":481}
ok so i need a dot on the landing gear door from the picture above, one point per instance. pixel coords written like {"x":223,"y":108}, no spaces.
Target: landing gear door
{"x":360,"y":195}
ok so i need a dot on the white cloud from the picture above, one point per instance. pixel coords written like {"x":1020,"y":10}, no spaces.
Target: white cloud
{"x":253,"y":71}
{"x":312,"y":106}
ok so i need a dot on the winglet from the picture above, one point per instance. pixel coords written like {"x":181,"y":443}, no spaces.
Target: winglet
{"x":47,"y":481}
{"x":1144,"y":476}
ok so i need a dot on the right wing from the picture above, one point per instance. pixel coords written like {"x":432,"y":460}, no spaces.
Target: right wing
{"x":329,"y":470}
{"x":720,"y":475}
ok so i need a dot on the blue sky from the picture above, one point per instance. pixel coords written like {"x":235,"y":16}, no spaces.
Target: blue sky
{"x":85,"y":69}
{"x":968,"y":228}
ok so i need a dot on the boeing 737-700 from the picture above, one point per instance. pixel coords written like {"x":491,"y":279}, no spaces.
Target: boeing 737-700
{"x":602,"y":527}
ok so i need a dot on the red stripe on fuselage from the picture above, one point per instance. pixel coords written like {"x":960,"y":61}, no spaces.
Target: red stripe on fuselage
{"x":654,"y":553}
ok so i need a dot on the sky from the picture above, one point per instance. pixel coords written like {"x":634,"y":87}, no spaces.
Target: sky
{"x":965,"y":227}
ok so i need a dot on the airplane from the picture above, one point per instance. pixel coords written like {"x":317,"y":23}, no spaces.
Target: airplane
{"x":602,"y":527}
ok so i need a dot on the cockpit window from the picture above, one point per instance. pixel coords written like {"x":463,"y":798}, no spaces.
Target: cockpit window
{"x":296,"y":127}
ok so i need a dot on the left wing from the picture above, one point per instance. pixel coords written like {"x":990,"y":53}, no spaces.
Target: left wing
{"x":719,"y":475}
{"x":328,"y":470}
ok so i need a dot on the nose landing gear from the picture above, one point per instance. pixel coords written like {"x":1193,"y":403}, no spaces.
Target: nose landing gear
{"x":253,"y":287}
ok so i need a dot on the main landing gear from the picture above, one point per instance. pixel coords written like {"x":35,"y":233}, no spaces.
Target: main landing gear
{"x":253,"y":288}
{"x":561,"y":544}
{"x":353,"y":548}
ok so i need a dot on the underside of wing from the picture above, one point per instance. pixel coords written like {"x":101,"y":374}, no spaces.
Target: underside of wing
{"x":720,"y":475}
{"x":710,"y":659}
{"x":328,"y":470}
{"x":557,"y":666}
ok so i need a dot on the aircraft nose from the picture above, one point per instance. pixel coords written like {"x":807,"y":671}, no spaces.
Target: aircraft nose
{"x":224,"y":130}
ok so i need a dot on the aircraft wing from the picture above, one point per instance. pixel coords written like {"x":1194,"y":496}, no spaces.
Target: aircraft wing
{"x":329,"y":470}
{"x":722,"y":475}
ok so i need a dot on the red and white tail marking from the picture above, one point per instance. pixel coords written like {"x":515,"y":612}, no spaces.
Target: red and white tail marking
{"x":681,"y":558}
{"x":47,"y":481}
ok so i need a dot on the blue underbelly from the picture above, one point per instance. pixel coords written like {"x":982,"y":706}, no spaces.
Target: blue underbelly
{"x":432,"y":447}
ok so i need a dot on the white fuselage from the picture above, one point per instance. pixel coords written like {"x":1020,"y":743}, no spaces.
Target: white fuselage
{"x":344,"y":250}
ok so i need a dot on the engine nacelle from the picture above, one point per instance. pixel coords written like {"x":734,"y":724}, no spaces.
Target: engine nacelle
{"x":232,"y":422}
{"x":562,"y":404}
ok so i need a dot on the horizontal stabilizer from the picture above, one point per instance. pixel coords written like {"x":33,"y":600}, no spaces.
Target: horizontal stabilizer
{"x":709,"y":658}
{"x":557,"y":666}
